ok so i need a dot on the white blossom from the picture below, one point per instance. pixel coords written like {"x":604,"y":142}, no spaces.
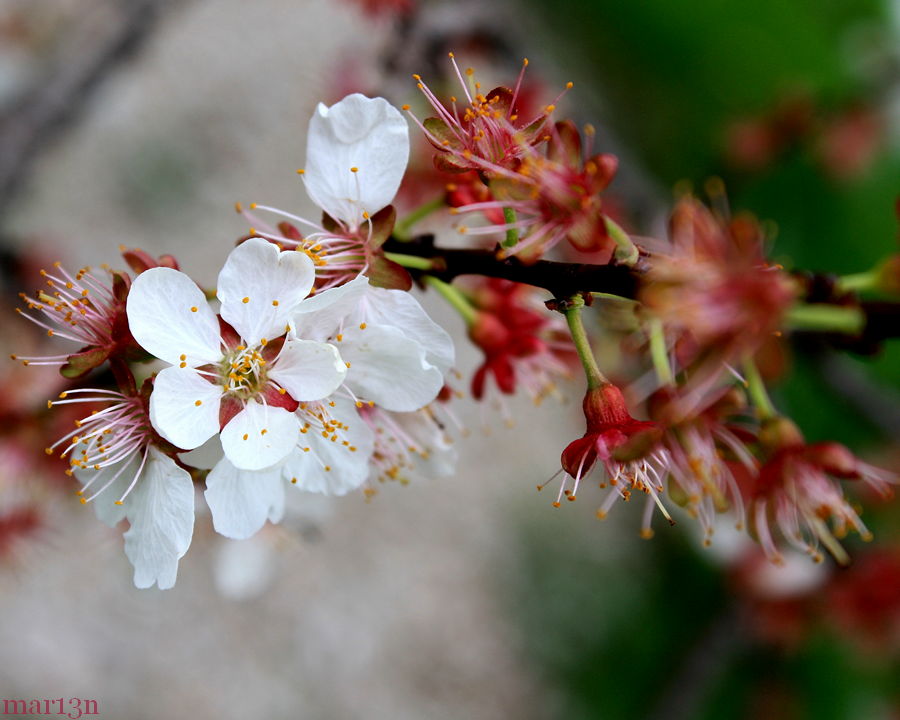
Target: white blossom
{"x":240,"y":382}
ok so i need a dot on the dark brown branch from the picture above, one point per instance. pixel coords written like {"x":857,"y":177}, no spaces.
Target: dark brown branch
{"x":561,"y":279}
{"x":564,"y":280}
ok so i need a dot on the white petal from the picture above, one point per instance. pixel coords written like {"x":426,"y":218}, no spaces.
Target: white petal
{"x":270,"y":281}
{"x":184,"y":407}
{"x":308,"y":370}
{"x":242,"y":500}
{"x":162,"y":521}
{"x":390,"y":369}
{"x":204,"y":457}
{"x":259,"y":436}
{"x":401,"y":310}
{"x":169,"y":316}
{"x":321,"y":316}
{"x":368,"y":134}
{"x":347,"y":469}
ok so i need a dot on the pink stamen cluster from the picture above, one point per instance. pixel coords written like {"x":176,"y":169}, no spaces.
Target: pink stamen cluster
{"x":78,"y":307}
{"x":108,"y":437}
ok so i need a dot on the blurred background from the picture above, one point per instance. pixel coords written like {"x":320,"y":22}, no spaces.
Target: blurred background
{"x":141,"y":122}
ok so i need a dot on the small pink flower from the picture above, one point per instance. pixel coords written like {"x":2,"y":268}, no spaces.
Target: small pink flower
{"x":489,"y":133}
{"x":798,"y":491}
{"x":713,"y":290}
{"x":703,"y":445}
{"x":554,"y":197}
{"x":86,"y":310}
{"x":628,"y":449}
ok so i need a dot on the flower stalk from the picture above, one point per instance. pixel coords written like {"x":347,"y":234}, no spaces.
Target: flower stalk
{"x":659,"y":354}
{"x":757,"y":390}
{"x":826,"y":318}
{"x":413,"y":262}
{"x":512,"y":234}
{"x":626,"y":251}
{"x":592,"y":372}
{"x":457,"y":300}
{"x":402,"y":230}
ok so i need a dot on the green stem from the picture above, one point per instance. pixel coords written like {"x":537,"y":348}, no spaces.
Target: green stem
{"x":757,"y":390}
{"x":402,"y":227}
{"x":595,"y":378}
{"x":410,"y":261}
{"x":859,"y":282}
{"x":512,"y":235}
{"x":457,"y":300}
{"x":613,"y":297}
{"x":660,"y":354}
{"x":827,"y":318}
{"x":626,"y":251}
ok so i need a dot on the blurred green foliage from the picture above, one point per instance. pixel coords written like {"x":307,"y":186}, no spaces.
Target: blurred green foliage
{"x":675,"y":77}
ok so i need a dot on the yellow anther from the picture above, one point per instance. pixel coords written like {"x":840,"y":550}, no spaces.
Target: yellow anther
{"x":339,"y":337}
{"x":550,"y":108}
{"x":83,"y":501}
{"x":198,"y":403}
{"x":63,"y":395}
{"x":245,"y":300}
{"x":354,"y":169}
{"x":362,"y":326}
{"x":274,"y":303}
{"x":301,"y":171}
{"x":263,"y":431}
{"x":246,"y":436}
{"x":404,"y":107}
{"x":194,"y":308}
{"x":570,"y":85}
{"x":294,"y":480}
{"x":238,"y":207}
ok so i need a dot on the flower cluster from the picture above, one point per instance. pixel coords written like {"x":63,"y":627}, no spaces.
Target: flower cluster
{"x":311,"y":368}
{"x":284,"y":389}
{"x":539,"y":176}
